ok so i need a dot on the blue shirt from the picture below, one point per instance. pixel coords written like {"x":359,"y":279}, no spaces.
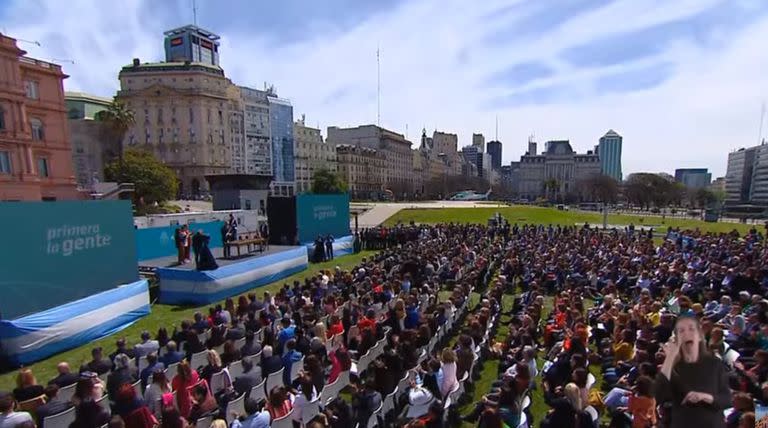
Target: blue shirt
{"x":256,"y":420}
{"x":289,"y":358}
{"x":286,"y":334}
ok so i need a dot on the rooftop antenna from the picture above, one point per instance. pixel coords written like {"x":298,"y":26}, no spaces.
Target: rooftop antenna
{"x":378,"y":87}
{"x":194,"y":12}
{"x":762,"y":116}
{"x":31,"y":42}
{"x":497,"y":127}
{"x":70,"y":61}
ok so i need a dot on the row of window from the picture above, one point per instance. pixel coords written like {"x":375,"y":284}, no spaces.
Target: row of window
{"x":35,"y":124}
{"x":7,"y":168}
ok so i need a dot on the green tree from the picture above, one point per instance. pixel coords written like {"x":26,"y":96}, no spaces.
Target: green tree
{"x":120,"y":120}
{"x":325,"y":181}
{"x":703,"y":197}
{"x":154,"y":182}
{"x":599,"y":188}
{"x":551,"y":188}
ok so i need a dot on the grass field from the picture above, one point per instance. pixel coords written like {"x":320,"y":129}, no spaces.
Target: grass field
{"x":530,"y":214}
{"x":162,"y":315}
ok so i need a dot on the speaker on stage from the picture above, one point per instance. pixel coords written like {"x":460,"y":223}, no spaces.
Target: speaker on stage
{"x":281,"y":217}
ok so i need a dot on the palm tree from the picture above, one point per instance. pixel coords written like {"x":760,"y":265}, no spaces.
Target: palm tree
{"x":551,"y":185}
{"x":120,"y":119}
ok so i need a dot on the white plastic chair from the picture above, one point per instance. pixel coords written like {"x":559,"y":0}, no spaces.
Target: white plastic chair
{"x":296,"y":368}
{"x":274,"y":379}
{"x":592,"y":413}
{"x":236,"y":406}
{"x":258,"y":392}
{"x":310,"y":410}
{"x":60,"y":420}
{"x":198,"y":360}
{"x":65,"y":394}
{"x":235,"y":369}
{"x":204,"y":422}
{"x":284,"y":422}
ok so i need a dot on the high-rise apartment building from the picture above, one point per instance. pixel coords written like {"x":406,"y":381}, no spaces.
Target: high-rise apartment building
{"x":35,"y":151}
{"x":396,"y":149}
{"x":609,"y":151}
{"x":478,"y":140}
{"x":253,"y":154}
{"x":363,"y":169}
{"x":739,"y":174}
{"x":311,"y":154}
{"x":281,"y":128}
{"x":494,"y":150}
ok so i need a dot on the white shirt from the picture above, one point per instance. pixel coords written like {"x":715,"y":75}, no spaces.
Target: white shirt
{"x":13,"y":419}
{"x":300,"y":402}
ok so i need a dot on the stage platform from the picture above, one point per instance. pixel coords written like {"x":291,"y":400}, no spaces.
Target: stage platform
{"x":183,"y":285}
{"x":218,"y":253}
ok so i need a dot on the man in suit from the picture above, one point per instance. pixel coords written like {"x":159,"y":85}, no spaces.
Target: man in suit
{"x":236,"y":332}
{"x":172,"y":355}
{"x":152,"y":365}
{"x":198,"y":240}
{"x":252,"y":346}
{"x":98,"y":364}
{"x":52,"y":406}
{"x":147,"y":346}
{"x":121,"y":349}
{"x":251,"y":377}
{"x":65,"y":377}
{"x":269,"y":363}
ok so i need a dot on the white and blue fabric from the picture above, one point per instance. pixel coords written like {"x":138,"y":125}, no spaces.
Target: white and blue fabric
{"x":190,"y":287}
{"x":38,"y":336}
{"x":341,"y":246}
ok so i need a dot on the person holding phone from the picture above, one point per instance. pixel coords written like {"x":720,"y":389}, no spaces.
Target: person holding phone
{"x":692,"y":380}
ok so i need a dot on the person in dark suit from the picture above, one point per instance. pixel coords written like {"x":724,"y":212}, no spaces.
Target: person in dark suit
{"x":236,"y":332}
{"x":197,"y":245}
{"x":329,"y":247}
{"x":252,"y":346}
{"x":98,"y":364}
{"x":152,"y":365}
{"x":65,"y":377}
{"x":122,"y":348}
{"x":270,"y":363}
{"x":52,"y":406}
{"x":251,"y":377}
{"x":172,"y":354}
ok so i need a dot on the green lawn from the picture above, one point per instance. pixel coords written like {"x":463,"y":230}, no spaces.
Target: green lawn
{"x":531,"y":214}
{"x":162,"y":315}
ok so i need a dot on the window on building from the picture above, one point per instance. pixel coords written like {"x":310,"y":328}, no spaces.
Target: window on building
{"x":159,"y":115}
{"x":5,"y":162}
{"x":31,"y":88}
{"x":209,"y":115}
{"x":42,"y":167}
{"x":191,"y":115}
{"x":2,"y":118}
{"x":36,"y":126}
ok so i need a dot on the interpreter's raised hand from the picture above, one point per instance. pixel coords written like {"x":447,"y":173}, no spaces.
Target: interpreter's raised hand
{"x":671,"y":350}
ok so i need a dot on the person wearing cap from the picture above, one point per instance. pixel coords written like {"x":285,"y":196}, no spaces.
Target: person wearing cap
{"x":8,"y":417}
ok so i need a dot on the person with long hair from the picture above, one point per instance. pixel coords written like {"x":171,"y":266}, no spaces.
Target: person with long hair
{"x":89,"y":387}
{"x":172,"y":419}
{"x":185,"y":377}
{"x":691,"y":380}
{"x":132,"y":409}
{"x":279,"y":403}
{"x":448,"y":367}
{"x":305,"y":395}
{"x":155,"y":391}
{"x":26,"y":386}
{"x":568,"y":410}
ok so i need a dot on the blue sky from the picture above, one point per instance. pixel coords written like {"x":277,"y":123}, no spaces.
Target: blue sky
{"x":681,"y":80}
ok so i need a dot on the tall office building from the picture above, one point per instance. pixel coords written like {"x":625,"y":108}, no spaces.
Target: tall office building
{"x":191,"y":44}
{"x":738,"y":176}
{"x":253,"y":155}
{"x":281,"y":127}
{"x":609,"y":150}
{"x":478,"y":140}
{"x":694,"y":178}
{"x":494,"y":149}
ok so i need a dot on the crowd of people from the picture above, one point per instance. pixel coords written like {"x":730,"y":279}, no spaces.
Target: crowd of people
{"x":677,"y":331}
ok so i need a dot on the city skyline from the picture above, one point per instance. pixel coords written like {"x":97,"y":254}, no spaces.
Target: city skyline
{"x":677,"y":78}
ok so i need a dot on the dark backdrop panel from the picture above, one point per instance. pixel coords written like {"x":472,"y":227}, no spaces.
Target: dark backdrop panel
{"x":281,"y":214}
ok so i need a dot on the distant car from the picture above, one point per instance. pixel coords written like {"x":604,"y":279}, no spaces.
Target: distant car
{"x":562,"y":207}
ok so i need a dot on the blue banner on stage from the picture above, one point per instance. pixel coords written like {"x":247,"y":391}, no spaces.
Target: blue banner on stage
{"x":63,"y":251}
{"x":156,"y":242}
{"x":322,"y":215}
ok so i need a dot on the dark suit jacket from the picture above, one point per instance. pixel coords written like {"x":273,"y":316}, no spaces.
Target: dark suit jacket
{"x":118,"y":378}
{"x":235,"y":333}
{"x":49,"y":409}
{"x":99,"y":367}
{"x":63,"y":380}
{"x":271,"y":365}
{"x":172,"y":358}
{"x":252,"y":348}
{"x":246,"y":381}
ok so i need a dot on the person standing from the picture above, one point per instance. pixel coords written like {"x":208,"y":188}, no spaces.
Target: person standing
{"x":226,"y":236}
{"x":693,"y":381}
{"x":329,"y":247}
{"x":178,"y":237}
{"x":197,"y":245}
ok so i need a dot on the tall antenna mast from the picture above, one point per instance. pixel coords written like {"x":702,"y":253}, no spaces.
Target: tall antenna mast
{"x":497,"y":128}
{"x":762,"y":116}
{"x":194,"y":12}
{"x":378,"y":87}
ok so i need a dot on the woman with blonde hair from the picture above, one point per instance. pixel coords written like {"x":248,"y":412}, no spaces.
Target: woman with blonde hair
{"x":568,"y":410}
{"x":26,"y":386}
{"x":320,"y":332}
{"x":219,"y":423}
{"x":448,"y":367}
{"x":691,"y":379}
{"x":215,"y":366}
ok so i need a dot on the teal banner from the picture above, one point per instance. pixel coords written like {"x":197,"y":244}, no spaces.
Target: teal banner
{"x":58,"y":252}
{"x":318,"y":215}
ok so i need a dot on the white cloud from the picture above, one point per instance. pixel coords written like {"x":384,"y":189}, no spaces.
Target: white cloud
{"x":435,"y":57}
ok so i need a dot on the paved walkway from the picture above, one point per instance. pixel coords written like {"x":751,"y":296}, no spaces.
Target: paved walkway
{"x":380,"y":212}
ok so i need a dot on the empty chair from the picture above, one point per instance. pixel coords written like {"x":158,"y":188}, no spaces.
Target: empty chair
{"x":258,"y":392}
{"x":65,"y":394}
{"x":218,"y":381}
{"x":296,"y":368}
{"x":310,"y":410}
{"x":137,"y":387}
{"x":204,"y":422}
{"x":275,"y":379}
{"x":331,"y":391}
{"x":235,"y":369}
{"x":284,"y":422}
{"x":199,"y":359}
{"x":170,"y":372}
{"x":60,"y":420}
{"x":239,"y":343}
{"x":235,"y":407}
